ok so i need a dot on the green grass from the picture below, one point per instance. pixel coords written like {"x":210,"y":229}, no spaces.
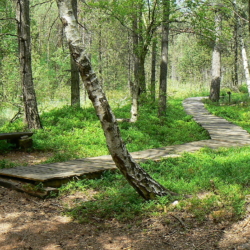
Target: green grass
{"x":217,"y":181}
{"x":237,"y":111}
{"x":223,"y":174}
{"x":76,"y":132}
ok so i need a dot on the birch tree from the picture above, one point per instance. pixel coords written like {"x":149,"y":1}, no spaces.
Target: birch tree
{"x":147,"y":187}
{"x":216,"y":59}
{"x":245,"y":62}
{"x":24,"y":43}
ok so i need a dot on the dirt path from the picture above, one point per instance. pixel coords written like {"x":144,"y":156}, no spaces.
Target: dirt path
{"x":30,"y":223}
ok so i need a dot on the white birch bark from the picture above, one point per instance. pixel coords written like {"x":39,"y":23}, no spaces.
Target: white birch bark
{"x":216,"y":61}
{"x":245,"y":64}
{"x":147,"y":187}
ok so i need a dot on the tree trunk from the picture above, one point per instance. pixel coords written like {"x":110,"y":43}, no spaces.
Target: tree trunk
{"x":216,"y":61}
{"x":75,"y":80}
{"x":29,"y":97}
{"x":147,"y":187}
{"x":100,"y":54}
{"x":235,"y":49}
{"x":135,"y":85}
{"x":153,"y":70}
{"x":245,"y":63}
{"x":141,"y":51}
{"x":164,"y":60}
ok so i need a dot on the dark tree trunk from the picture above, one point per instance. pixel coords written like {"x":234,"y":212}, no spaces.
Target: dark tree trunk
{"x":164,"y":60}
{"x":29,"y":97}
{"x":75,"y":79}
{"x":153,"y":70}
{"x":141,"y":53}
{"x":147,"y":187}
{"x":235,"y":50}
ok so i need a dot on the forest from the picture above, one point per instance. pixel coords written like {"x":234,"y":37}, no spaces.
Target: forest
{"x":109,"y":77}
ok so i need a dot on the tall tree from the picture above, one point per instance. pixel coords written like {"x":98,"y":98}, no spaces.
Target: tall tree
{"x":235,"y":48}
{"x":147,"y":187}
{"x":24,"y":42}
{"x":216,"y":58}
{"x":135,"y":85}
{"x":75,"y":80}
{"x":141,"y":20}
{"x":245,"y":61}
{"x":164,"y":59}
{"x":153,"y":69}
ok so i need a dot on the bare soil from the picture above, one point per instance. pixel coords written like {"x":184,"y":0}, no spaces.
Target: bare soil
{"x":28,"y":222}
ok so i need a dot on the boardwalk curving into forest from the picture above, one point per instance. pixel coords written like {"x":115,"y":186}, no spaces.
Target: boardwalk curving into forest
{"x":222,"y":133}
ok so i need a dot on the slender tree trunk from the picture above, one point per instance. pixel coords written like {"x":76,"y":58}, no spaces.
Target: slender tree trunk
{"x":141,"y":51}
{"x":245,"y":63}
{"x":100,"y":54}
{"x":135,"y":85}
{"x":153,"y":70}
{"x":29,"y":97}
{"x":75,"y":79}
{"x":164,"y":60}
{"x":235,"y":49}
{"x":147,"y":187}
{"x":216,"y":61}
{"x":249,"y":16}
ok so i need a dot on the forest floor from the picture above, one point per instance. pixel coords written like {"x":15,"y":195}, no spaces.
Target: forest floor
{"x":28,"y":222}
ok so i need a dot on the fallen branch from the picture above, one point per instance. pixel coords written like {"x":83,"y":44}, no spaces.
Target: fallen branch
{"x":180,"y":220}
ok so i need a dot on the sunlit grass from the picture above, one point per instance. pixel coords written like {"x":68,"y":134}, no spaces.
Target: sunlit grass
{"x":216,"y":181}
{"x":222,"y":174}
{"x":72,"y":132}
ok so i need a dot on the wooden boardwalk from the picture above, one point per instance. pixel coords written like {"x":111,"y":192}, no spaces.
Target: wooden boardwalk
{"x":222,"y":133}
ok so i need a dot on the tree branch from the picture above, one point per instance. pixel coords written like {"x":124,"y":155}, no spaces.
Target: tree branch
{"x":40,"y":3}
{"x":8,"y":34}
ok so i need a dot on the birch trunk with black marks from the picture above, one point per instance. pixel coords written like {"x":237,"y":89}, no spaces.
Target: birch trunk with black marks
{"x":216,"y":60}
{"x":32,"y":117}
{"x":75,"y":79}
{"x":135,"y":85}
{"x":147,"y":187}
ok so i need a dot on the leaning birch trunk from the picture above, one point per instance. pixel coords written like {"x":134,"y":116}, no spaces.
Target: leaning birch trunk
{"x":24,"y":45}
{"x":147,"y":187}
{"x":216,"y":61}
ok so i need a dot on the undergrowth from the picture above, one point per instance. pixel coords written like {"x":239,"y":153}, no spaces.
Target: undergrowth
{"x":72,"y":132}
{"x":222,"y":175}
{"x":216,"y":181}
{"x":210,"y":183}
